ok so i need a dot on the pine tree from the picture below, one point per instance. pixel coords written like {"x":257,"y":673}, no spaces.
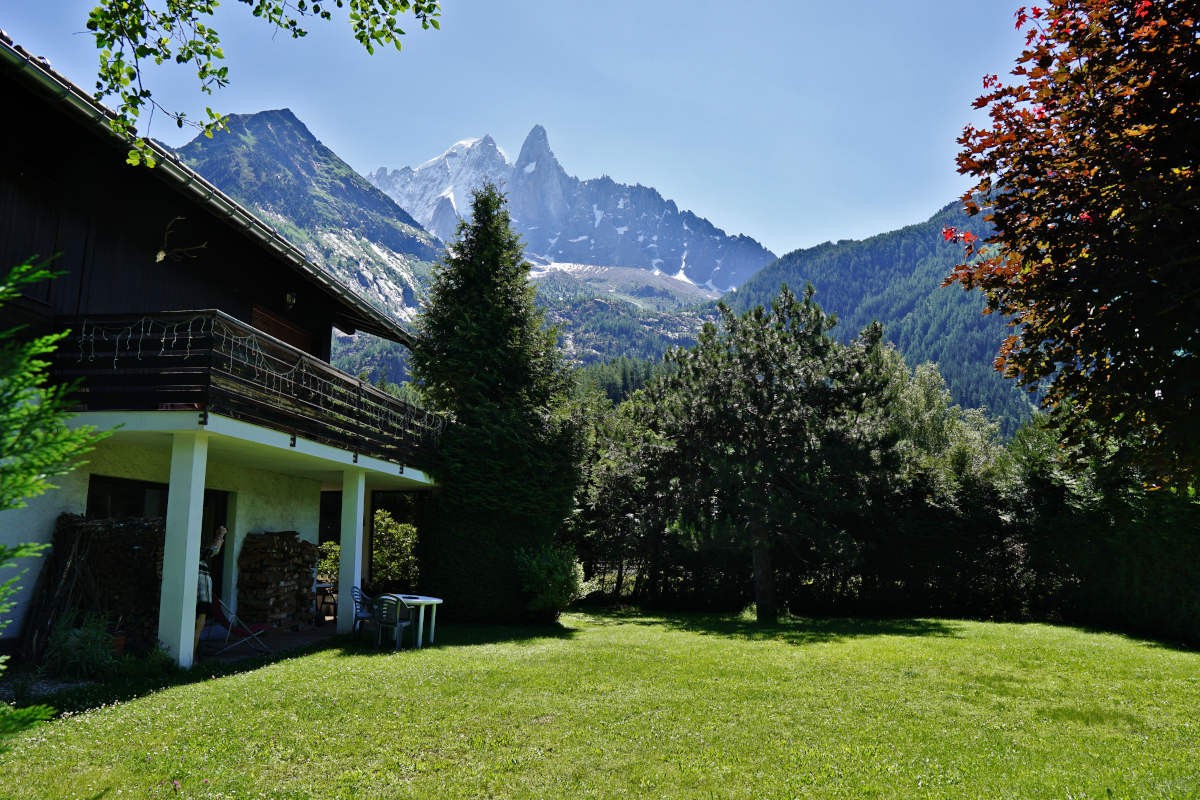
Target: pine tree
{"x":766,"y":425}
{"x":507,"y":463}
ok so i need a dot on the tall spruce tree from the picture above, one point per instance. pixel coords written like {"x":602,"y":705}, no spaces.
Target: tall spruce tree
{"x":507,"y":463}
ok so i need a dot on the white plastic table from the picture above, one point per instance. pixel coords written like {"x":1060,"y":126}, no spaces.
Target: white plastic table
{"x":419,"y":602}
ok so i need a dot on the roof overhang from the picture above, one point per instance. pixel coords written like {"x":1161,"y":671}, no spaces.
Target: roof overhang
{"x":355,"y":313}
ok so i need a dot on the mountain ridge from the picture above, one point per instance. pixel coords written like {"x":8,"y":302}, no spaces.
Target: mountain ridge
{"x":274,"y":166}
{"x":271,"y":163}
{"x":564,"y":219}
{"x":896,"y":277}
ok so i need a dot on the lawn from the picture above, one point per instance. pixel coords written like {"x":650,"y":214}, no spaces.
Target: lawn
{"x":650,"y":706}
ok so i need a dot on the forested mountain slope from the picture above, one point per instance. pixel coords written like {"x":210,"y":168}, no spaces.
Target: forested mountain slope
{"x":895,"y":278}
{"x":272,"y":164}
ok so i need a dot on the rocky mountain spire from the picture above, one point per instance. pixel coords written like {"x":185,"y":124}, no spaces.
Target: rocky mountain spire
{"x":563,"y":219}
{"x":539,"y":191}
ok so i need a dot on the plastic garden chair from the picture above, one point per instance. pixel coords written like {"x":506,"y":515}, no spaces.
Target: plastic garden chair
{"x":391,"y":613}
{"x":362,"y":608}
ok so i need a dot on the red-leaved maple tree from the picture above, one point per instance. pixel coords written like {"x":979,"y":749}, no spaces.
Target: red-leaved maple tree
{"x":1088,"y":172}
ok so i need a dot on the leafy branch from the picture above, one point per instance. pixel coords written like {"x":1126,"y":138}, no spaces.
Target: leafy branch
{"x":132,"y":35}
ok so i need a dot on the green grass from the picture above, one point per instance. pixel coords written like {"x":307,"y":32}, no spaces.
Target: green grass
{"x":640,"y":706}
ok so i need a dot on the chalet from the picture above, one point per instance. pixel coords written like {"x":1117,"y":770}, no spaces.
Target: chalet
{"x":200,"y":338}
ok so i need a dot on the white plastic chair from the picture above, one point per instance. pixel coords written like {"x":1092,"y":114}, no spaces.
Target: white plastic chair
{"x":390,"y":612}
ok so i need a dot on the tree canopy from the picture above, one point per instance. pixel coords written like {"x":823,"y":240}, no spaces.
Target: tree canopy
{"x":765,"y":425}
{"x":130,"y":34}
{"x":771,"y":459}
{"x":1088,"y":173}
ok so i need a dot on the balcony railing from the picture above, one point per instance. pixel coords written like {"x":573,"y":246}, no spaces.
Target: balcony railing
{"x":210,"y":362}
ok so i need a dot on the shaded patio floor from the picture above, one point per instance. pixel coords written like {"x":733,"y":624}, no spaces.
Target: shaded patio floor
{"x":280,"y":640}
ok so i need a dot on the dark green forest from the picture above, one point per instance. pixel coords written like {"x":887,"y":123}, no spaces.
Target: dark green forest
{"x":895,"y":279}
{"x":779,"y":464}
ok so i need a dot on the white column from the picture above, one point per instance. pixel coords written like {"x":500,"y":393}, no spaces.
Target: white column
{"x":181,"y":552}
{"x":354,"y":491}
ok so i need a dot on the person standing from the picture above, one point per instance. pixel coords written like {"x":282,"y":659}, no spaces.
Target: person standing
{"x":204,"y":585}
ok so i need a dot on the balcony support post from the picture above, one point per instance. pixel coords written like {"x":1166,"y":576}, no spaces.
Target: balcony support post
{"x":181,"y":551}
{"x":354,"y":486}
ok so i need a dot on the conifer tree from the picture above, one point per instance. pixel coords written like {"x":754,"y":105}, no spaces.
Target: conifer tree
{"x":507,"y":463}
{"x":766,"y":425}
{"x":35,"y":446}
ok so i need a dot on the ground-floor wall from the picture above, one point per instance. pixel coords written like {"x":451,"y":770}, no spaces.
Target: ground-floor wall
{"x":259,"y":501}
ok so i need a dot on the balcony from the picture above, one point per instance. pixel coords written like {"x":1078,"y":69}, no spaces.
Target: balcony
{"x":212,"y":363}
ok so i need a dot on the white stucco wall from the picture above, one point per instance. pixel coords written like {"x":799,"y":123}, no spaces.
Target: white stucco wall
{"x":259,"y":501}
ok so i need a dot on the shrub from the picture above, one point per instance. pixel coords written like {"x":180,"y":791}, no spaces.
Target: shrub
{"x":83,"y":651}
{"x":552,"y":577}
{"x":393,"y":552}
{"x":329,"y":561}
{"x":152,"y":668}
{"x":14,"y":720}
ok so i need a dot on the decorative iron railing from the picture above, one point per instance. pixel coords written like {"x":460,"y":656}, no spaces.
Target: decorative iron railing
{"x":211,"y":362}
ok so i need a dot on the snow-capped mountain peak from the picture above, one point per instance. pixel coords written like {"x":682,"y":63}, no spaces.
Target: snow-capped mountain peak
{"x":437,"y":192}
{"x":564,"y":219}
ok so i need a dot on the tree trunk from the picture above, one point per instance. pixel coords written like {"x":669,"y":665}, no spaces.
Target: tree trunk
{"x":639,"y":579}
{"x":764,"y":581}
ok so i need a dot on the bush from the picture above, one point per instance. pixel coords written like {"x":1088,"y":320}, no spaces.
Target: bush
{"x":552,"y":577}
{"x":14,"y":720}
{"x":329,"y":561}
{"x":83,"y":651}
{"x":393,"y":552}
{"x":152,"y":668}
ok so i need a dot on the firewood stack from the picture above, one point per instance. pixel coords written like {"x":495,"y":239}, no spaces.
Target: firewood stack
{"x":111,"y":567}
{"x":275,"y":579}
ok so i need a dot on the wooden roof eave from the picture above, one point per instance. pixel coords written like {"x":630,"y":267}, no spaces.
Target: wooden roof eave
{"x":356,"y":313}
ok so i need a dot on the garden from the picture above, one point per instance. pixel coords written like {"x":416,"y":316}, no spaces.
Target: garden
{"x":622,"y":704}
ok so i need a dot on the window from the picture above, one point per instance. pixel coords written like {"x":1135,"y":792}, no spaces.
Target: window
{"x":115,"y":498}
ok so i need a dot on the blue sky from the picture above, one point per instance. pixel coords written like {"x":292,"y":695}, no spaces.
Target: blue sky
{"x":792,"y":121}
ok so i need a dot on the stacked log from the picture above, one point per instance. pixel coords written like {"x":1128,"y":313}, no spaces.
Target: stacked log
{"x":111,"y":567}
{"x":275,"y":579}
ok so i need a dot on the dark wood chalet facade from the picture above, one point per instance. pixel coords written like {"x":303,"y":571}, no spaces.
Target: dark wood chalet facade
{"x":199,"y":335}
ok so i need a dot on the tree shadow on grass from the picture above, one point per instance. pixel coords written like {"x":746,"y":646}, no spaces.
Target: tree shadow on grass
{"x":791,"y":630}
{"x":457,"y":635}
{"x":1141,"y":638}
{"x":132,"y":685}
{"x":136,"y":682}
